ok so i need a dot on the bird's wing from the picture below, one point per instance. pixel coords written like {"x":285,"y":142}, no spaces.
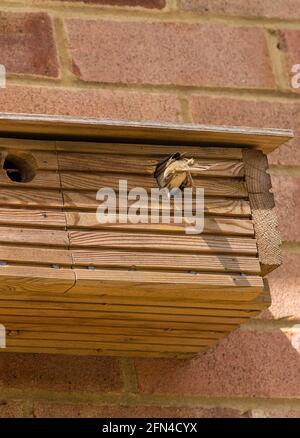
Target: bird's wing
{"x":162,"y":165}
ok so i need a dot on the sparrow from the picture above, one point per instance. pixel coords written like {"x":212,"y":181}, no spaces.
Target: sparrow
{"x":174,"y":172}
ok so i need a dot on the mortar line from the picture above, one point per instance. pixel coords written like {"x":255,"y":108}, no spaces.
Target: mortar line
{"x":184,"y":91}
{"x":75,"y":10}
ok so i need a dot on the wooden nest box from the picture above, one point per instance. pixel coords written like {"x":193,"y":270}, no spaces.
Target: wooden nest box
{"x":69,"y":284}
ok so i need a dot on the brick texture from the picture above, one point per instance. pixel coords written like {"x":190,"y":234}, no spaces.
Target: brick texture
{"x":247,"y":363}
{"x":255,"y":113}
{"x":287,"y":194}
{"x":27,"y":45}
{"x":284,"y":283}
{"x":50,"y":410}
{"x":255,"y":8}
{"x":92,"y":103}
{"x":289,"y":44}
{"x":149,"y":4}
{"x":59,"y":373}
{"x":168,"y":53}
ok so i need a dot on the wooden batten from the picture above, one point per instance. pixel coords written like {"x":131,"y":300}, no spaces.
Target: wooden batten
{"x":71,"y":285}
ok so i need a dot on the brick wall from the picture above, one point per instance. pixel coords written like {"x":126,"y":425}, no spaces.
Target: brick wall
{"x":218,"y":62}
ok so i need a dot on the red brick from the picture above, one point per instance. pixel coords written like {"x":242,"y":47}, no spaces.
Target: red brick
{"x":289,"y":44}
{"x":93,"y":103}
{"x":11,"y":409}
{"x":169,"y":53}
{"x":282,"y":412}
{"x":149,"y":4}
{"x":285,"y":289}
{"x":59,"y":372}
{"x":287,"y":194}
{"x":52,"y":410}
{"x":247,"y":363}
{"x":255,"y":8}
{"x":255,"y":113}
{"x":27,"y":45}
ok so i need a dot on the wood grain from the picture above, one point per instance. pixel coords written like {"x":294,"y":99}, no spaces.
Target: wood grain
{"x":212,"y":225}
{"x":263,"y":210}
{"x":221,"y":187}
{"x":64,"y":127}
{"x":164,"y":261}
{"x":86,"y":200}
{"x":189,"y":243}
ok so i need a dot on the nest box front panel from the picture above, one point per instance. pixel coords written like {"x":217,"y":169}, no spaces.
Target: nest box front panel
{"x":70,"y":284}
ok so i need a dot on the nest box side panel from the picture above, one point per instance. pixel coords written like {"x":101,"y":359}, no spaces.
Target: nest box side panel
{"x":262,"y":204}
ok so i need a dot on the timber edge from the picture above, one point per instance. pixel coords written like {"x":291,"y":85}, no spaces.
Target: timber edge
{"x":92,"y":129}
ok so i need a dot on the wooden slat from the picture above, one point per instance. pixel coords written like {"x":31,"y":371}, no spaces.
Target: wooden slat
{"x":125,"y":331}
{"x":124,"y":316}
{"x":26,"y":144}
{"x":227,"y":187}
{"x":33,"y":255}
{"x":30,"y":236}
{"x":95,"y":163}
{"x":212,"y":225}
{"x":86,"y":200}
{"x":94,"y":309}
{"x":144,"y":340}
{"x":42,"y":179}
{"x":150,"y":132}
{"x":110,"y":323}
{"x":30,"y":279}
{"x":263,"y":210}
{"x":23,"y":348}
{"x":214,"y":286}
{"x":42,"y":160}
{"x":27,"y":197}
{"x":11,"y":342}
{"x":260,"y":302}
{"x":165,"y":261}
{"x":172,"y":242}
{"x":155,"y":150}
{"x":31,"y":218}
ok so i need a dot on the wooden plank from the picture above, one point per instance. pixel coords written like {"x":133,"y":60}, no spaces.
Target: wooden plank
{"x":172,"y":242}
{"x":42,"y":179}
{"x":263,"y":210}
{"x":193,"y":285}
{"x":32,"y":218}
{"x":99,"y":163}
{"x":41,"y":160}
{"x":94,"y":352}
{"x":93,"y":310}
{"x":165,"y":261}
{"x":30,"y":236}
{"x":34,"y":255}
{"x":86,"y":200}
{"x":26,"y":144}
{"x":151,"y":132}
{"x":221,"y":187}
{"x":30,"y":279}
{"x":123,"y":316}
{"x":125,"y":331}
{"x":11,"y":342}
{"x":154,"y":150}
{"x":110,"y":323}
{"x":259,"y":303}
{"x":212,"y":225}
{"x":144,"y":340}
{"x":27,"y":197}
